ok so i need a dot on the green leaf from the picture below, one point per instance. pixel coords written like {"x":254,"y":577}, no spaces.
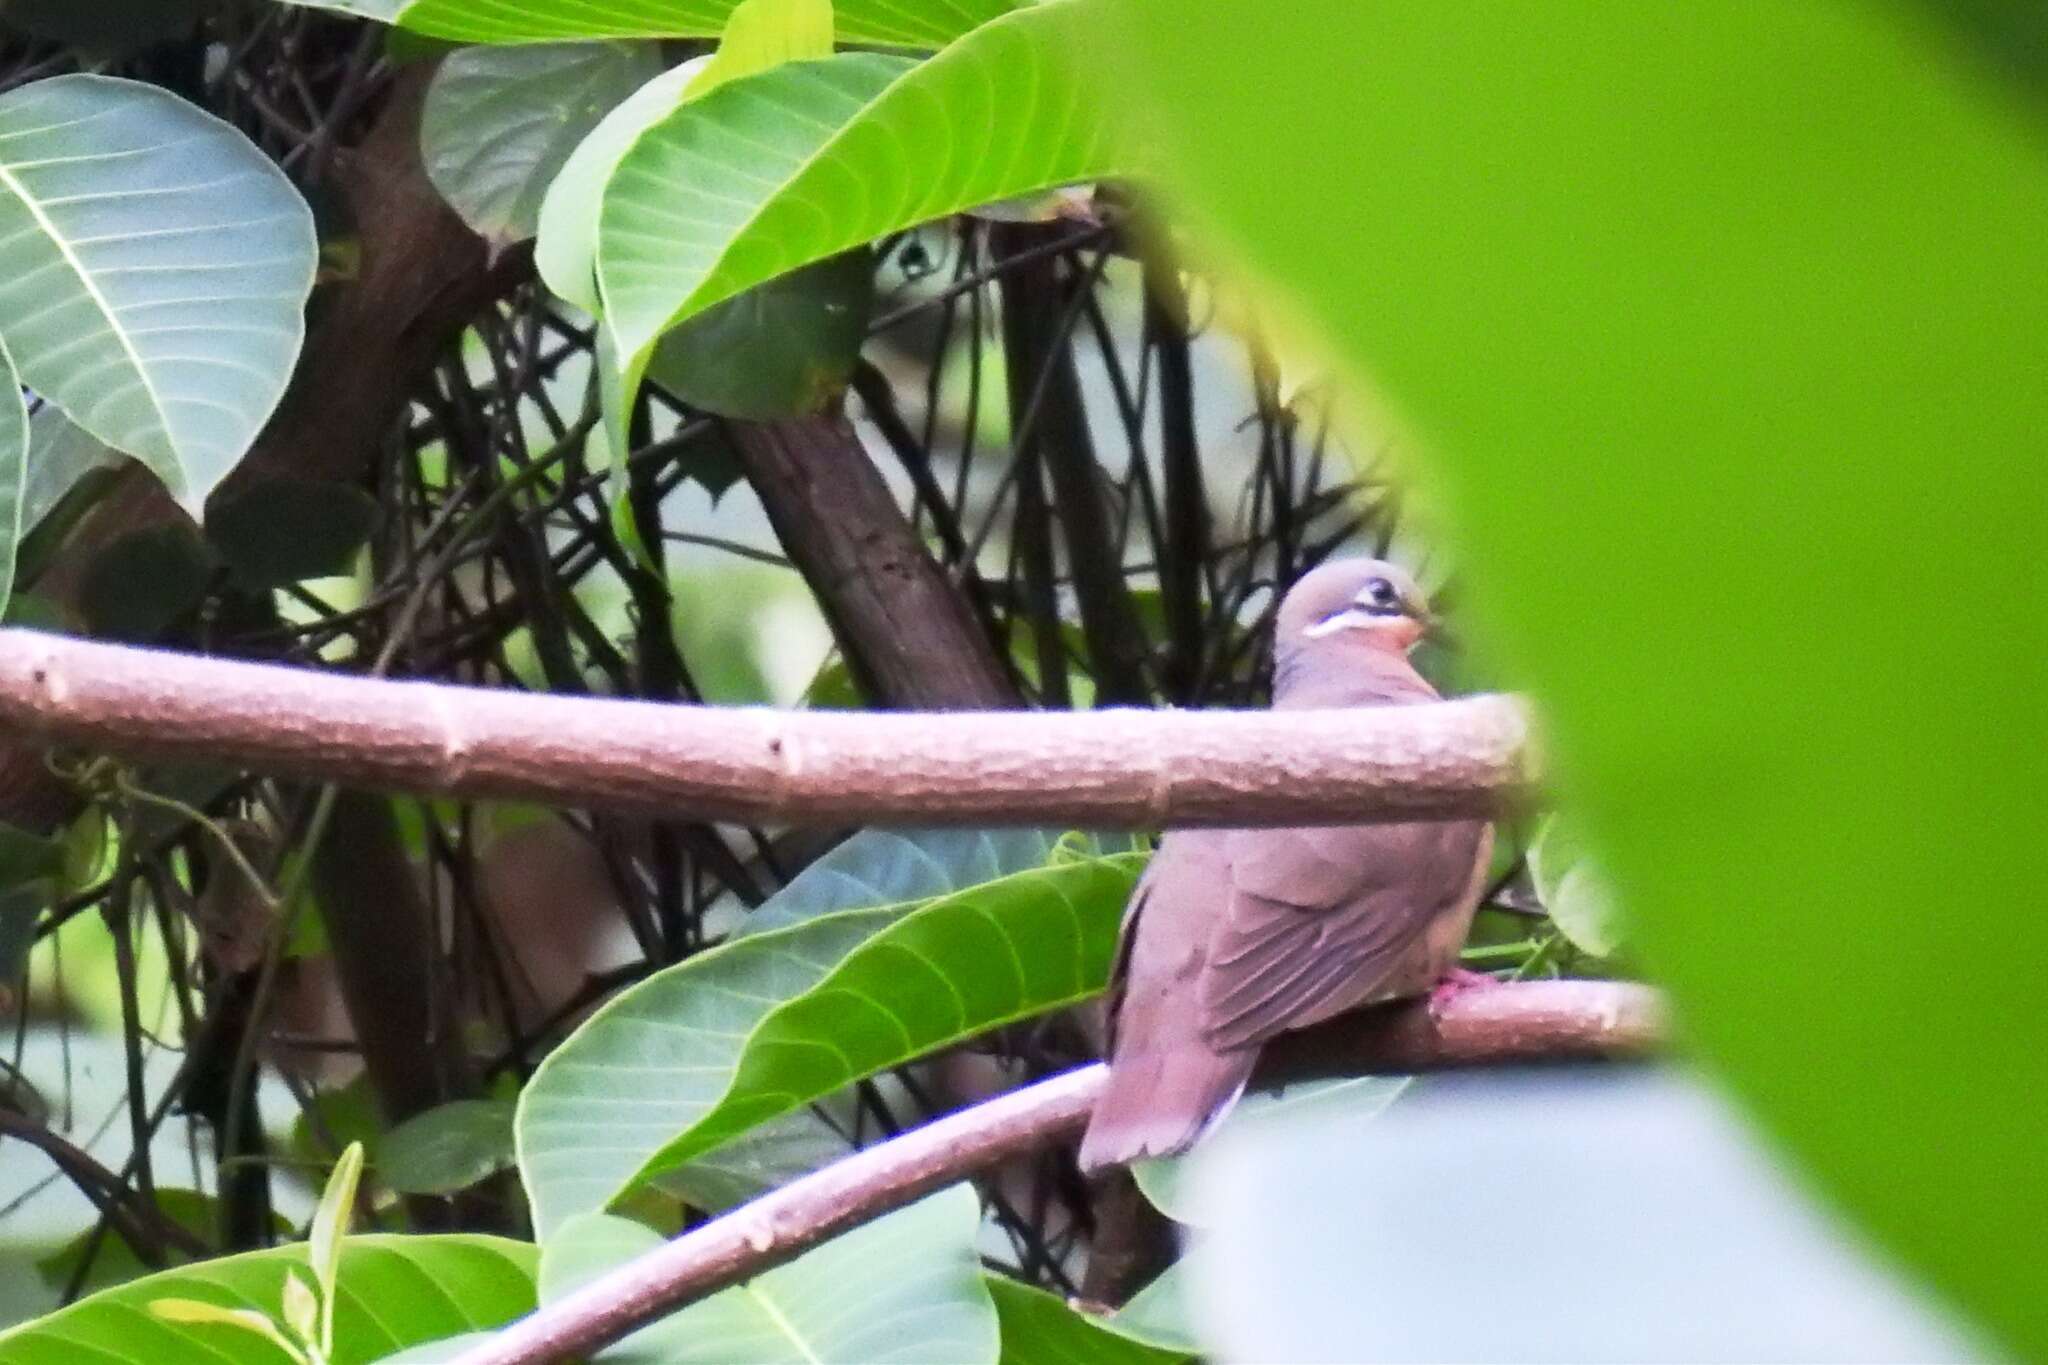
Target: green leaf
{"x":1573,"y":888}
{"x":394,"y":1292}
{"x":695,"y":1055}
{"x":153,"y":265}
{"x":762,"y":34}
{"x":759,"y":34}
{"x":499,"y":123}
{"x":324,"y":1241}
{"x":785,"y":348}
{"x":921,"y":24}
{"x":790,"y":166}
{"x":447,"y":1148}
{"x":136,"y":586}
{"x":1719,"y":325}
{"x":60,"y":453}
{"x":903,"y":1289}
{"x":1038,"y":1329}
{"x":1158,"y":1314}
{"x":565,"y":251}
{"x":285,"y":530}
{"x":114,"y":1261}
{"x":197,"y":1313}
{"x":301,"y":1308}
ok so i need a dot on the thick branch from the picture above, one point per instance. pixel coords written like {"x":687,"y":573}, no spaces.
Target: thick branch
{"x":908,"y":633}
{"x":1130,"y":769}
{"x":1541,"y":1021}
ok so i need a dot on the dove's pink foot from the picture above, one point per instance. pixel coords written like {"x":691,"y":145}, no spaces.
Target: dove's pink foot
{"x":1456,"y":982}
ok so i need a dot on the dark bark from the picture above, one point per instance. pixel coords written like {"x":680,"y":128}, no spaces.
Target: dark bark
{"x":1186,"y":524}
{"x":909,"y":636}
{"x":1049,"y":428}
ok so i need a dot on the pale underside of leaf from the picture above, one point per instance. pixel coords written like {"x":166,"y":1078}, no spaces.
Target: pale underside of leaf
{"x":902,"y":1290}
{"x":153,"y":271}
{"x":500,"y":123}
{"x":658,"y":1058}
{"x":792,"y":165}
{"x":14,"y":470}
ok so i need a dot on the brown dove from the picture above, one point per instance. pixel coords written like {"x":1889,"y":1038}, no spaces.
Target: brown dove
{"x":1236,"y":935}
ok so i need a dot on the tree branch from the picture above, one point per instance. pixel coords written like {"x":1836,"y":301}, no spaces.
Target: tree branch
{"x":1537,"y":1021}
{"x":1131,"y":769}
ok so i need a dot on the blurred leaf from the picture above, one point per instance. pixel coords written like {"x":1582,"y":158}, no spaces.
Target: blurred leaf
{"x":115,"y":1262}
{"x":791,"y":166}
{"x":1158,"y":1314}
{"x":1774,"y":268}
{"x":697,"y":1054}
{"x":905,"y":1288}
{"x":1599,"y":1215}
{"x":279,"y":531}
{"x":785,"y":348}
{"x":345,"y":1114}
{"x":144,"y":580}
{"x":394,"y":1291}
{"x":499,"y":123}
{"x":153,"y":268}
{"x":301,"y":1306}
{"x":1038,"y":1329}
{"x":105,"y":29}
{"x":1573,"y":888}
{"x":884,"y":23}
{"x":1355,"y":1100}
{"x":447,"y":1148}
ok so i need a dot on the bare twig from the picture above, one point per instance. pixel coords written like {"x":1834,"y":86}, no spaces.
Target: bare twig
{"x":1551,"y":1020}
{"x":1135,"y":769}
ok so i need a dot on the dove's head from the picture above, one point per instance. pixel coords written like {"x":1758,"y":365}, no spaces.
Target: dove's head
{"x":1347,"y":605}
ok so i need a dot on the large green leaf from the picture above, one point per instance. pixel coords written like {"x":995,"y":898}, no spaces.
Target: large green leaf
{"x":1722,"y":326}
{"x":776,"y":170}
{"x":902,"y":1290}
{"x":499,"y":123}
{"x":1039,"y":1329}
{"x":394,"y":1292}
{"x":918,"y":24}
{"x":696,"y":1055}
{"x":153,"y":265}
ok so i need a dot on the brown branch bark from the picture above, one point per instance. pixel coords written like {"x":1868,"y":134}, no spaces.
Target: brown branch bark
{"x":1130,"y":769}
{"x":909,"y":635}
{"x":1539,"y":1021}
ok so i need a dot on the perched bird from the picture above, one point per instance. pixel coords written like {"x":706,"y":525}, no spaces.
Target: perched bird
{"x":1236,"y":935}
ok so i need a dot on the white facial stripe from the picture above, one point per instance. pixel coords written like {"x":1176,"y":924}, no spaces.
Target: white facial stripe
{"x":1349,"y":620}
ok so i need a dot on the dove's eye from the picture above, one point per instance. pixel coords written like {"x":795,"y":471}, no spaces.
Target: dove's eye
{"x":1380,"y":593}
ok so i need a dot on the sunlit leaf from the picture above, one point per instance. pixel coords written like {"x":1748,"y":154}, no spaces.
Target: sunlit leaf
{"x":884,"y":23}
{"x":153,"y":265}
{"x":394,"y":1292}
{"x":777,"y":170}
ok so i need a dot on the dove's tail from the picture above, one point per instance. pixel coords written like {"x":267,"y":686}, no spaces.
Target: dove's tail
{"x":1160,"y":1102}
